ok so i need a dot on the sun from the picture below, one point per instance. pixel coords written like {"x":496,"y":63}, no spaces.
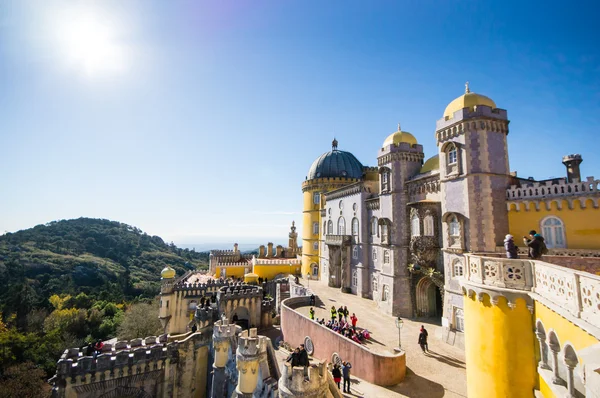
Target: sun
{"x":90,"y":41}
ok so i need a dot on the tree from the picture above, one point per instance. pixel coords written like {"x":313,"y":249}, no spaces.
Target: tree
{"x":140,"y":321}
{"x":24,"y":380}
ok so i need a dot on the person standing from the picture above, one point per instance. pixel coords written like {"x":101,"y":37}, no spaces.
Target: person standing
{"x":346,"y":312}
{"x":337,"y":375}
{"x":312,"y":300}
{"x":536,"y":245}
{"x":346,"y":366}
{"x":312,"y":313}
{"x":294,"y":357}
{"x":302,"y":356}
{"x":354,"y":320}
{"x":333,"y":313}
{"x":423,"y":339}
{"x":510,"y":247}
{"x":340,"y":313}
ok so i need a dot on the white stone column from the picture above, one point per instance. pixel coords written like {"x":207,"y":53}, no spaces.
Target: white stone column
{"x":571,"y":364}
{"x":555,"y":348}
{"x":541,"y":336}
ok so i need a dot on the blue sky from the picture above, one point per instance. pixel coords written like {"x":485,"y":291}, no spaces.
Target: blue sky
{"x":198,"y":120}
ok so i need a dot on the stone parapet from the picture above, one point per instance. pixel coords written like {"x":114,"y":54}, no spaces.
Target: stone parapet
{"x":338,"y":240}
{"x":278,"y":261}
{"x":293,"y":382}
{"x":547,"y":189}
{"x":239,"y":291}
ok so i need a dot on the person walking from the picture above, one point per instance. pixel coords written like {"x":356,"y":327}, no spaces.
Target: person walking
{"x":337,"y":375}
{"x":312,"y":300}
{"x":510,"y":247}
{"x":536,"y":245}
{"x":312,"y":313}
{"x":333,"y":313}
{"x":346,"y":366}
{"x":423,"y":339}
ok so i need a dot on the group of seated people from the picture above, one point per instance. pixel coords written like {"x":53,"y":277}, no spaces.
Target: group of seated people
{"x":345,"y":329}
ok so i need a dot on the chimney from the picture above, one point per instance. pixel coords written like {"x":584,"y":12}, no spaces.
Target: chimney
{"x":269,"y":249}
{"x":261,"y":251}
{"x":278,"y":250}
{"x":235,"y":247}
{"x":572,"y":163}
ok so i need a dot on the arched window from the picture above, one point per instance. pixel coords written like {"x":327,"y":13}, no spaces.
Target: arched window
{"x":457,"y":268}
{"x":553,"y":231}
{"x":452,"y":154}
{"x":316,"y":198}
{"x":385,"y":179}
{"x":315,"y":228}
{"x":375,"y":285}
{"x":341,"y":226}
{"x":453,"y":226}
{"x":386,"y":257}
{"x":452,"y":159}
{"x":330,"y":227}
{"x":315,"y":270}
{"x":355,"y":227}
{"x":385,"y":233}
{"x":428,"y":225}
{"x":355,"y":252}
{"x":374,"y":254}
{"x":386,"y":293}
{"x":374,"y":226}
{"x":354,"y":278}
{"x":415,"y":225}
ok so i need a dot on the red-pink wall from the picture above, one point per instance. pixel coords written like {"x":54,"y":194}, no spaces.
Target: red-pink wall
{"x":374,"y":368}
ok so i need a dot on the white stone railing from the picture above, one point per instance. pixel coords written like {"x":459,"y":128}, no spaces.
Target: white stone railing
{"x":539,"y":190}
{"x":577,"y":292}
{"x":557,"y":252}
{"x":263,"y":261}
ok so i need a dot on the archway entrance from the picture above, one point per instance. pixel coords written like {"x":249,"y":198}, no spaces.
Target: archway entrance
{"x":241,"y":316}
{"x":429,"y":299}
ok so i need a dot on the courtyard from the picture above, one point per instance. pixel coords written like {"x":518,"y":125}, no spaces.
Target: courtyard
{"x":439,"y":373}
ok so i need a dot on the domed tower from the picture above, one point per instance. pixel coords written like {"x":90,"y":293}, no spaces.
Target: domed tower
{"x":167,"y":280}
{"x":332,"y":170}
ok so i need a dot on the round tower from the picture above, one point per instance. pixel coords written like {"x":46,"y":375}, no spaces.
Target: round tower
{"x":223,"y":334}
{"x":332,"y":170}
{"x":167,"y":281}
{"x":572,"y":163}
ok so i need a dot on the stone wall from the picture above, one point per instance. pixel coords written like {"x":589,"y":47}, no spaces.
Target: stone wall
{"x":384,"y":370}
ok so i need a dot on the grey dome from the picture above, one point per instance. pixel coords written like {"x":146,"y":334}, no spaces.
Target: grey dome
{"x":335,"y":163}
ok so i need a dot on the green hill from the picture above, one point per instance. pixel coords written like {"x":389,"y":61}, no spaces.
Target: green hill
{"x":106,"y":260}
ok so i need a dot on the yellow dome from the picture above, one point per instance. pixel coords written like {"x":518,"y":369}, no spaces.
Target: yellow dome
{"x":398,"y":137}
{"x":467,"y":100}
{"x":167,"y":273}
{"x":433,"y":163}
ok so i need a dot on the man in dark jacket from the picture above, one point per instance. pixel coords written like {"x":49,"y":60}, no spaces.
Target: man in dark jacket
{"x":302,"y":357}
{"x":294,"y":357}
{"x":423,"y":339}
{"x":536,"y":245}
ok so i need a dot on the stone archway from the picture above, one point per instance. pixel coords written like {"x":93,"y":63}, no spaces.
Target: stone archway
{"x":428,"y":298}
{"x":241,"y":316}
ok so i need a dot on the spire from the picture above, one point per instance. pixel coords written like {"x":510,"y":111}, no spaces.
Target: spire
{"x":399,"y":127}
{"x":334,"y":144}
{"x":467,"y":91}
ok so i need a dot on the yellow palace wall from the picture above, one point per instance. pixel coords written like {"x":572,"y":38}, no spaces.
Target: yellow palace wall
{"x":311,"y":214}
{"x":235,"y":272}
{"x":270,"y":271}
{"x":499,"y":348}
{"x":582,"y":225}
{"x":566,"y":332}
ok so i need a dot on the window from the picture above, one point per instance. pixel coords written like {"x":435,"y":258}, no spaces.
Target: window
{"x":316,"y":198}
{"x":315,"y":228}
{"x":415,"y":225}
{"x":355,"y":252}
{"x":341,"y":226}
{"x":341,"y":205}
{"x":330,"y":227}
{"x":385,"y":233}
{"x":354,"y":278}
{"x":385,"y":179}
{"x":459,"y":319}
{"x":457,"y":268}
{"x":386,"y":293}
{"x":316,"y":246}
{"x":355,"y":227}
{"x":453,"y":226}
{"x":452,"y":155}
{"x":375,"y":285}
{"x":324,"y":227}
{"x":374,"y":226}
{"x":428,"y":225}
{"x":553,"y":231}
{"x":386,"y":257}
{"x":374,"y":254}
{"x":315,"y":270}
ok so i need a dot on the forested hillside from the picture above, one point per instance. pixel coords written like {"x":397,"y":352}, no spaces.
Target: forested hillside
{"x":72,"y":280}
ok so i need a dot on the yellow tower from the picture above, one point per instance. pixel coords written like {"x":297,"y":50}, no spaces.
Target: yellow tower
{"x":332,"y":170}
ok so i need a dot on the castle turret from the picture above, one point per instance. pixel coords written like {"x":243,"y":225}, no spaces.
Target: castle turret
{"x":572,"y":163}
{"x":269,"y":249}
{"x":224,"y":335}
{"x":250,"y":351}
{"x":293,"y":383}
{"x":167,"y":282}
{"x":332,"y":170}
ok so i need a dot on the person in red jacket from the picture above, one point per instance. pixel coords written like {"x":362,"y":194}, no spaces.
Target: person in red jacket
{"x":354,"y":319}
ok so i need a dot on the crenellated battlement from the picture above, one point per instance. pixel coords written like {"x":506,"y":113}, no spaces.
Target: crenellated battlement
{"x":267,"y":305}
{"x":547,"y":189}
{"x":239,"y":291}
{"x":223,"y":329}
{"x":205,"y":316}
{"x":250,"y":344}
{"x":293,"y":383}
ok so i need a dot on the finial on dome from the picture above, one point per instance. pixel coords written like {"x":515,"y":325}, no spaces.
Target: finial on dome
{"x":399,"y":127}
{"x":467,"y":91}
{"x":334,"y":144}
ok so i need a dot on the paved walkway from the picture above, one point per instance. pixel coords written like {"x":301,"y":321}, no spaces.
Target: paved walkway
{"x":441,"y":373}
